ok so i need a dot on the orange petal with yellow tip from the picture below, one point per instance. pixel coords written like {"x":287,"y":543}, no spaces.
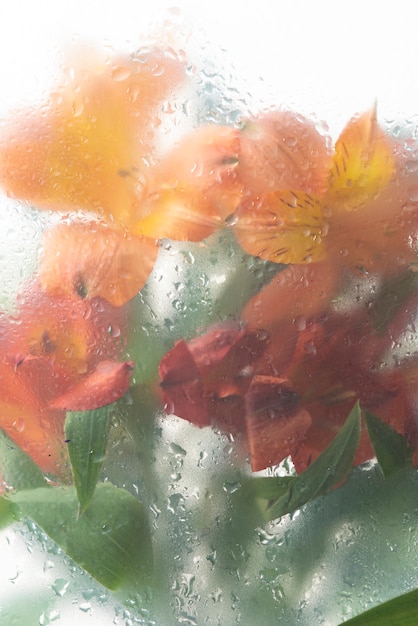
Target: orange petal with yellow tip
{"x":89,"y":145}
{"x":282,"y":226}
{"x":363,"y":163}
{"x":88,"y":259}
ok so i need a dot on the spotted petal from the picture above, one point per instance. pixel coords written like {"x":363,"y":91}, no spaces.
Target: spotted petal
{"x":282,"y":226}
{"x":89,"y":259}
{"x":363,"y":163}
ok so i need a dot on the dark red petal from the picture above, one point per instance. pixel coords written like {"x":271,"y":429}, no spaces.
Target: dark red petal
{"x":212,"y":347}
{"x":188,"y":401}
{"x":270,"y":392}
{"x":275,"y":427}
{"x":271,"y":438}
{"x":177,"y":366}
{"x":109,"y":381}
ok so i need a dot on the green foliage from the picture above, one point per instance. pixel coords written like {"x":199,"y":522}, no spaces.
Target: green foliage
{"x":16,"y":467}
{"x":330,"y":468}
{"x":87,"y":434}
{"x":110,"y":540}
{"x":391,"y":449}
{"x":401,"y":611}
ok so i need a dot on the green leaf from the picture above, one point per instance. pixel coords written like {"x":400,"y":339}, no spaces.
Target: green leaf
{"x":327,"y":470}
{"x":16,"y":467}
{"x":269,"y":488}
{"x":87,"y":434}
{"x":392,"y":452}
{"x":401,"y":611}
{"x":110,"y":540}
{"x":9,"y":512}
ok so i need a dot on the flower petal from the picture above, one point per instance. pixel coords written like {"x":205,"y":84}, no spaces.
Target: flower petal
{"x":106,"y":384}
{"x":28,"y":421}
{"x":282,"y":226}
{"x":88,"y":259}
{"x":283,"y":150}
{"x":194,"y":187}
{"x":177,"y":366}
{"x":178,"y":213}
{"x":363,"y":163}
{"x":275,"y":425}
{"x":294,"y":295}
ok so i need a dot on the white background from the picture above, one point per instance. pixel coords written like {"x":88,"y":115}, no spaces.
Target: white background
{"x":330,"y":58}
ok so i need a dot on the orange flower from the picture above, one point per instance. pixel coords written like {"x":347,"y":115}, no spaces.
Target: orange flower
{"x":201,"y":182}
{"x":89,"y":259}
{"x":320,"y":208}
{"x":194,"y":188}
{"x":57,"y":353}
{"x":89,"y":146}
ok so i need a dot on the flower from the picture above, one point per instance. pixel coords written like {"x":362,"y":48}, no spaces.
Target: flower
{"x":215,"y":170}
{"x":351,"y":209}
{"x":194,"y":187}
{"x":204,"y":380}
{"x":57,"y":354}
{"x":89,"y":146}
{"x":216,"y":379}
{"x":290,"y":394}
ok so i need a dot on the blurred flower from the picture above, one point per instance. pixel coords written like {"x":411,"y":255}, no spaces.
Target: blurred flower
{"x":57,"y":354}
{"x":89,"y":259}
{"x":294,"y":400}
{"x":194,"y":187}
{"x":350,"y":209}
{"x":90,"y":145}
{"x":215,"y":380}
{"x":204,"y":380}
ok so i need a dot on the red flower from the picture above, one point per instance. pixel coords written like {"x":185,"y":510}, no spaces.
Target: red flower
{"x":220,"y":379}
{"x":290,"y":395}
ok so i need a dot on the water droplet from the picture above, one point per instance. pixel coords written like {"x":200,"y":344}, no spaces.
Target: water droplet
{"x":265,"y":537}
{"x":300,"y":322}
{"x":60,"y":586}
{"x":411,"y":166}
{"x":119,"y":73}
{"x":114,"y":331}
{"x":177,"y":450}
{"x":231,"y":487}
{"x":413,"y":193}
{"x":19,"y":425}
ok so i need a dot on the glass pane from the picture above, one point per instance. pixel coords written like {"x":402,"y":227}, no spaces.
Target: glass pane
{"x":208,"y":348}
